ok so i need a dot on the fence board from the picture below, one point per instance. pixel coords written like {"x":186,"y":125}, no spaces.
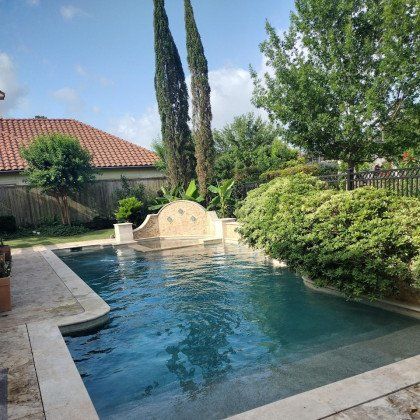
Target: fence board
{"x":31,"y":207}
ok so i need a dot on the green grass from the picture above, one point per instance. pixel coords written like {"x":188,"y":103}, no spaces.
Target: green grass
{"x":34,"y":240}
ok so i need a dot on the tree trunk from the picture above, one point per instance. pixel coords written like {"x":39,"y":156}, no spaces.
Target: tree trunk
{"x":350,"y":177}
{"x":64,"y":209}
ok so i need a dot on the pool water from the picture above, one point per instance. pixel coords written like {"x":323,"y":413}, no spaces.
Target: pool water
{"x":207,"y":332}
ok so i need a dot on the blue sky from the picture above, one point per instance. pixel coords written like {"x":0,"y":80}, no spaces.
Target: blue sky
{"x":93,"y":60}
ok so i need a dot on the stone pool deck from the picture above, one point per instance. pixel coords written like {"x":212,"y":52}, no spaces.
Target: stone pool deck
{"x":43,"y":381}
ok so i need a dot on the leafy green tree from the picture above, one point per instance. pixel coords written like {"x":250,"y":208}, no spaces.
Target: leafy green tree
{"x":248,"y":147}
{"x":59,"y":166}
{"x":172,"y":99}
{"x":200,"y":92}
{"x":345,"y":79}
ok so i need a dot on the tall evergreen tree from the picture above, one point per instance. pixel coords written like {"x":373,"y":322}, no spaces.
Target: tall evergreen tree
{"x":172,"y":98}
{"x":200,"y":91}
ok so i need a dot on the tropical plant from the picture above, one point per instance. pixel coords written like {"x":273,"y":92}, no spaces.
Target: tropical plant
{"x":200,"y":98}
{"x":222,"y":199}
{"x":344,"y":82}
{"x":172,"y":98}
{"x":177,"y":193}
{"x":59,"y":166}
{"x":127,"y":209}
{"x":361,"y":242}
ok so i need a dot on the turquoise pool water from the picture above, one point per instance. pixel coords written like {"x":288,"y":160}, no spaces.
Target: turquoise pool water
{"x":207,"y":332}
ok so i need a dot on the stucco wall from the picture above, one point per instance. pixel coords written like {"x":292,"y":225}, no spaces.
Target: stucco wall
{"x":17,"y":178}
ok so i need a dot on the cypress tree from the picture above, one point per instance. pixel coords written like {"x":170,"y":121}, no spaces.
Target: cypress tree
{"x":200,"y":92}
{"x":172,"y":99}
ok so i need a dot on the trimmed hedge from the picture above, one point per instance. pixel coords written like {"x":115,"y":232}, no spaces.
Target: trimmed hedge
{"x":362,"y":242}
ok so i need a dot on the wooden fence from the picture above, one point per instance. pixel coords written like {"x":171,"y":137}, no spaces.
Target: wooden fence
{"x":31,"y":207}
{"x":403,"y":181}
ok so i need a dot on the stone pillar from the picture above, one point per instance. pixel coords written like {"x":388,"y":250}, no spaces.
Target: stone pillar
{"x":124,"y":232}
{"x":219,"y":227}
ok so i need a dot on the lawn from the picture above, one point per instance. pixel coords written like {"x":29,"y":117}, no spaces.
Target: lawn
{"x":33,"y":240}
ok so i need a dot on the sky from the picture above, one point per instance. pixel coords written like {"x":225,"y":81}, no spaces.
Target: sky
{"x":93,"y":60}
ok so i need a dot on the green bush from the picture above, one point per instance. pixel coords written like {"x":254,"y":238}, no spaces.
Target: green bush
{"x":361,"y":242}
{"x":52,"y":229}
{"x":131,"y":189}
{"x":128,"y":209}
{"x":98,"y":223}
{"x":300,"y":168}
{"x":8,"y":224}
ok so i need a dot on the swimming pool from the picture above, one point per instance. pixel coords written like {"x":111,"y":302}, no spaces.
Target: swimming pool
{"x":212,"y":331}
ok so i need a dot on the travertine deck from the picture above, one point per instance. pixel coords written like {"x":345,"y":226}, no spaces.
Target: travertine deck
{"x":38,"y":294}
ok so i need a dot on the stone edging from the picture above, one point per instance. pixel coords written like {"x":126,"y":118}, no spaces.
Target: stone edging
{"x":63,"y":392}
{"x":338,"y":396}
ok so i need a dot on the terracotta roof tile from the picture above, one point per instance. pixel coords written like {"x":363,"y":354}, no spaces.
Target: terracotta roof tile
{"x":107,"y":150}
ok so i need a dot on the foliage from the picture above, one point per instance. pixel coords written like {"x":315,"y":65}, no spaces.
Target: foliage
{"x":5,"y":267}
{"x":177,"y":193}
{"x":133,"y":190}
{"x":344,"y":80}
{"x":128,"y":209}
{"x":172,"y":98}
{"x":361,"y":242}
{"x":222,"y":199}
{"x":415,"y":269}
{"x":8,"y":224}
{"x":100,"y":223}
{"x":52,"y":228}
{"x":200,"y":98}
{"x":248,"y":147}
{"x":300,"y":168}
{"x":59,"y":166}
{"x":159,"y":148}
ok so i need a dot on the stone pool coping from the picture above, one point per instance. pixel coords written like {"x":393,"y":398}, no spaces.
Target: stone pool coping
{"x":64,"y":395}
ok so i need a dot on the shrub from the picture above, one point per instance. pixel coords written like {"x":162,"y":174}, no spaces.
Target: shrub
{"x":301,"y":168}
{"x":99,"y":222}
{"x":127,"y":210}
{"x":8,"y":224}
{"x":138,"y":191}
{"x":52,"y":229}
{"x":361,"y":242}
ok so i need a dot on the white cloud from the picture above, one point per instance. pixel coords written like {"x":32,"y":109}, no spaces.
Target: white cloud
{"x":69,"y":12}
{"x":9,"y":83}
{"x":231,"y":91}
{"x":102,"y":80}
{"x":70,"y":98}
{"x":32,"y":2}
{"x":96,"y":109}
{"x":141,"y":130}
{"x":80,"y":70}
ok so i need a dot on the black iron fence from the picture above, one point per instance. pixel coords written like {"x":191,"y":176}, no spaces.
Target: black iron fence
{"x":404,"y":181}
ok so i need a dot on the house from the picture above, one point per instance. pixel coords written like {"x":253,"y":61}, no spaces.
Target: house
{"x":111,"y":155}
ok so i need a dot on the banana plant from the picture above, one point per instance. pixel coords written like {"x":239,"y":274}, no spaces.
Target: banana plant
{"x":177,"y":193}
{"x":222,"y":198}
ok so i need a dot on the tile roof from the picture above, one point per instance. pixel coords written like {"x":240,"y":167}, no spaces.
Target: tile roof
{"x":107,"y":151}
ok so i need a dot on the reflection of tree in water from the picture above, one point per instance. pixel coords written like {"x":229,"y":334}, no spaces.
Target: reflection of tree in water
{"x":203,"y":356}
